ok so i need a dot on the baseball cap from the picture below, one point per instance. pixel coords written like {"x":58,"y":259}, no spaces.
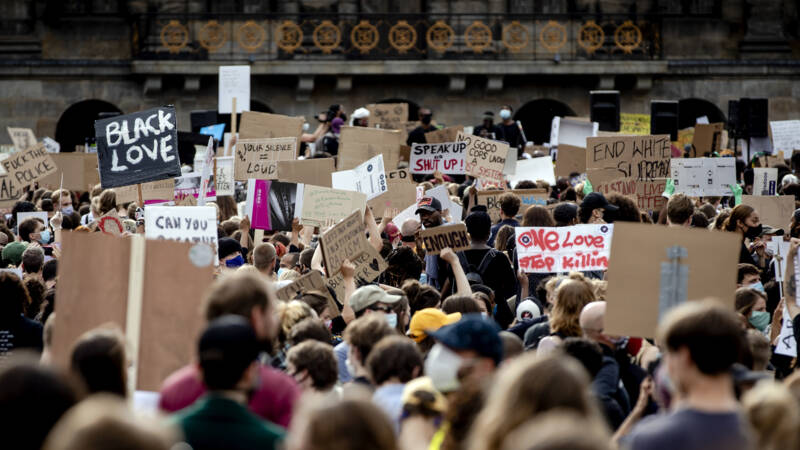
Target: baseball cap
{"x":13,"y":252}
{"x":475,"y":333}
{"x":360,"y":113}
{"x":528,"y":308}
{"x":227,"y":247}
{"x":429,"y":319}
{"x":597,"y":200}
{"x":428,"y":204}
{"x":228,"y":340}
{"x":565,"y":212}
{"x":366,"y":296}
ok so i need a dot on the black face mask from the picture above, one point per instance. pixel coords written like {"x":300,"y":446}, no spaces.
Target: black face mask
{"x":426,"y":119}
{"x":754,"y":232}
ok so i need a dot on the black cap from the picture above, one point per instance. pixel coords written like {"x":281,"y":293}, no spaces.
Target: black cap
{"x":228,"y":340}
{"x":565,"y":212}
{"x":472,"y":332}
{"x":228,"y":246}
{"x":597,"y":200}
{"x":429,"y":204}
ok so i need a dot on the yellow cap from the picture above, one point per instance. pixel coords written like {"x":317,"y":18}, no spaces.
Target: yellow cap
{"x":429,"y":319}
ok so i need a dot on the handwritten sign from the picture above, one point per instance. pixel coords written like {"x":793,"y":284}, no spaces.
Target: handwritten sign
{"x":390,"y":116}
{"x":528,"y":198}
{"x":785,"y":135}
{"x":137,"y":148}
{"x":637,"y":157}
{"x":369,"y":265}
{"x":638,"y":124}
{"x":437,"y":238}
{"x":368,"y":178}
{"x":29,"y":166}
{"x":534,"y":169}
{"x":154,"y":192}
{"x":563,"y":249}
{"x":765,"y":181}
{"x":318,"y":204}
{"x":196,"y":224}
{"x":447,"y":157}
{"x":234,"y":82}
{"x":312,"y":281}
{"x":344,"y":240}
{"x":485,"y":158}
{"x":23,"y":138}
{"x":786,"y":343}
{"x":224,"y":176}
{"x":257,"y":158}
{"x":647,"y":194}
{"x":698,"y":177}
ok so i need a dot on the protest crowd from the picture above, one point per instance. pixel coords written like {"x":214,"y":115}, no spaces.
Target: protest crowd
{"x":407,"y":286}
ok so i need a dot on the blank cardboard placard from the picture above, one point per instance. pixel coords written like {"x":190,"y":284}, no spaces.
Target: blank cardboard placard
{"x":775,"y":211}
{"x":358,"y":144}
{"x":528,"y":198}
{"x":79,"y":169}
{"x":707,"y":138}
{"x":439,"y":136}
{"x":258,"y":125}
{"x":637,"y":157}
{"x":401,"y":193}
{"x":310,"y":171}
{"x":635,"y":267}
{"x":436,"y":239}
{"x":571,"y":159}
{"x":388,"y":116}
{"x":312,"y":281}
{"x":163,"y":190}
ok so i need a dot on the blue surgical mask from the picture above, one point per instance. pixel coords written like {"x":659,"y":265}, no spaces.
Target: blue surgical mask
{"x":757,"y":286}
{"x":391,"y":319}
{"x":67,"y":210}
{"x":235,"y":262}
{"x":760,"y":320}
{"x":281,"y":271}
{"x":44,"y":237}
{"x":505,"y":114}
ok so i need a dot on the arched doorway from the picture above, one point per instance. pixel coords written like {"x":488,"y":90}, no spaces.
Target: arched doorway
{"x":413,"y":108}
{"x":536,"y":117}
{"x":77,"y":122}
{"x":689,"y":109}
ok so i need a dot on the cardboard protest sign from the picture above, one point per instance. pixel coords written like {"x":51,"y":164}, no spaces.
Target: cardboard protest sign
{"x":368,"y":178}
{"x":438,"y":136}
{"x":23,"y":138}
{"x":570,"y":159}
{"x":702,"y":177}
{"x":137,"y":148}
{"x":564,"y":249}
{"x":29,"y":166}
{"x":271,"y":204}
{"x":369,"y":265}
{"x":310,"y":171}
{"x":653,"y":269}
{"x":707,"y":139}
{"x":312,"y":281}
{"x":10,"y":191}
{"x":145,"y":288}
{"x":390,"y":116}
{"x":534,"y":169}
{"x":765,"y":181}
{"x":234,"y":82}
{"x":528,"y":198}
{"x":195,"y":224}
{"x":257,"y":158}
{"x":23,"y":216}
{"x":634,"y":124}
{"x":775,"y":211}
{"x":685,"y":138}
{"x":318,"y":204}
{"x":343,"y":241}
{"x":638,"y":157}
{"x":485,"y":157}
{"x":435,"y":239}
{"x":571,"y":131}
{"x":357,"y":144}
{"x":153,"y":192}
{"x":206,"y":174}
{"x":447,"y":157}
{"x":190,"y":185}
{"x":401,"y":192}
{"x":647,"y":194}
{"x":79,"y":169}
{"x":785,"y":135}
{"x":110,"y":224}
{"x":223,"y":177}
{"x":257,"y":125}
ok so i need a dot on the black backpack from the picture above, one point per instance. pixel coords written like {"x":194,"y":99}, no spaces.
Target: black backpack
{"x":475,"y":274}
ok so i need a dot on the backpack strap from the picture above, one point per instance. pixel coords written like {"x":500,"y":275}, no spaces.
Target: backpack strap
{"x":487,"y":259}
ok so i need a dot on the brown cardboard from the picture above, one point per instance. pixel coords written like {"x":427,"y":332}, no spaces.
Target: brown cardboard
{"x":436,"y":239}
{"x":637,"y":157}
{"x":257,"y":125}
{"x":449,"y":134}
{"x":775,"y":211}
{"x":528,"y":198}
{"x":79,"y":169}
{"x":634,"y":272}
{"x":344,"y":240}
{"x":154,"y":190}
{"x":358,"y":144}
{"x":311,"y":171}
{"x":29,"y":166}
{"x":707,"y":139}
{"x":388,"y":116}
{"x":312,"y":281}
{"x":646,"y":194}
{"x":369,"y":265}
{"x":258,"y":158}
{"x":571,"y":159}
{"x":401,"y":193}
{"x":22,"y":138}
{"x":172,"y":288}
{"x":485,"y":158}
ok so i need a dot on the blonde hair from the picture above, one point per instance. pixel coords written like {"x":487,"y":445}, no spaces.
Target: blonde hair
{"x":774,"y":415}
{"x":289,"y":314}
{"x":524,"y":389}
{"x":572,"y":295}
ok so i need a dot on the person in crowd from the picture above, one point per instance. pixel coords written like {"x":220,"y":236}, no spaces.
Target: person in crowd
{"x":745,"y":220}
{"x":593,"y":207}
{"x":680,"y":209}
{"x":509,"y":207}
{"x":487,"y":128}
{"x":99,"y":360}
{"x":228,"y":358}
{"x":417,"y":135}
{"x":17,"y":332}
{"x":752,"y":305}
{"x":564,"y":320}
{"x":360,"y":118}
{"x":393,"y":362}
{"x":774,"y":416}
{"x":511,"y":132}
{"x":361,"y":336}
{"x":313,"y":366}
{"x":230,"y":253}
{"x":565,"y":214}
{"x":32,"y":261}
{"x":628,"y":209}
{"x":430,"y":215}
{"x":264,"y":260}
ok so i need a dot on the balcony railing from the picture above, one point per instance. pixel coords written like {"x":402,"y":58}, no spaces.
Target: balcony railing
{"x":227,"y":37}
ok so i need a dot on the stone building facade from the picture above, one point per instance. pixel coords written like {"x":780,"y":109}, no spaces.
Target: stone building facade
{"x":64,"y":61}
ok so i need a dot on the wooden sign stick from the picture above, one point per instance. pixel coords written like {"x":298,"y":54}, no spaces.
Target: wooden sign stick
{"x":215,"y":173}
{"x":139,"y":190}
{"x":233,"y":124}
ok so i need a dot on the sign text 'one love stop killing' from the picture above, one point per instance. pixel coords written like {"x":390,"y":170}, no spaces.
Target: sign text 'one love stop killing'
{"x":137,"y":148}
{"x":563,"y":249}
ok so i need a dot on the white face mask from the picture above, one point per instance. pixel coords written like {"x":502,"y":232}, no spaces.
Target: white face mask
{"x":442,"y":367}
{"x":505,"y":114}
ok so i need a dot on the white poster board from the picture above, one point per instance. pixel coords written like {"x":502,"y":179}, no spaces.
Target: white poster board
{"x":571,"y":131}
{"x":445,"y":157}
{"x":22,"y":216}
{"x":368,"y":178}
{"x":699,"y":177}
{"x":224,"y":176}
{"x":785,"y":135}
{"x":534,"y":169}
{"x":234,"y":82}
{"x":197,"y":224}
{"x":51,"y":145}
{"x":564,"y":249}
{"x":765,"y":180}
{"x":786,"y":342}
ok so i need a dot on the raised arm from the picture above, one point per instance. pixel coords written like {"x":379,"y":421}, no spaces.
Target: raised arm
{"x":372,"y":227}
{"x":348,"y":273}
{"x":462,"y":284}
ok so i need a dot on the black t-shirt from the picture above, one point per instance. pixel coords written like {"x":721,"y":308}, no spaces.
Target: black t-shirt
{"x":500,"y":277}
{"x":19,"y":333}
{"x":417,"y":135}
{"x":512,"y":135}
